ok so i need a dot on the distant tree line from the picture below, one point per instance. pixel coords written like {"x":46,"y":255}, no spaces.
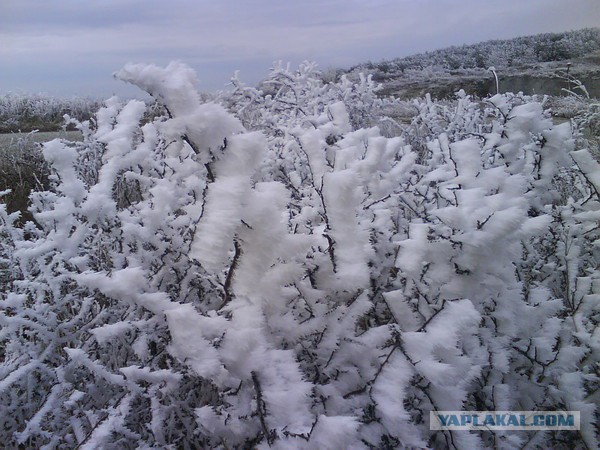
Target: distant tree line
{"x":27,"y":112}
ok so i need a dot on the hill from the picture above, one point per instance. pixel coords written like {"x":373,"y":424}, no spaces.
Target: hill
{"x":531,"y":64}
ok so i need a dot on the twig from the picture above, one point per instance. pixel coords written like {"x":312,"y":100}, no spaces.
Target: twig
{"x":228,"y":295}
{"x":261,"y":408}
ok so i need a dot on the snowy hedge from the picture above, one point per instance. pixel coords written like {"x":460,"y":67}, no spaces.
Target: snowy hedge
{"x":269,"y":270}
{"x":27,"y":112}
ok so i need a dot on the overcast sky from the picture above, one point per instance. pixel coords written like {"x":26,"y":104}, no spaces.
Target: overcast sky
{"x":72,"y":47}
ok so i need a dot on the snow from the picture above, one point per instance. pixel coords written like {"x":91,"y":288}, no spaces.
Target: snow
{"x":175,"y":87}
{"x":225,"y":200}
{"x":589,"y":167}
{"x":105,"y":333}
{"x":350,"y":242}
{"x":333,"y":432}
{"x":62,"y":158}
{"x":189,"y":343}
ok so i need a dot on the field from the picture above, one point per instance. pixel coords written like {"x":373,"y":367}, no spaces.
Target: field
{"x":11,"y":139}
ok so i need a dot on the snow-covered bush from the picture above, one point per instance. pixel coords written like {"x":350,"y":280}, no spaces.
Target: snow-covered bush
{"x":283,"y":275}
{"x":584,"y":113}
{"x":288,"y":95}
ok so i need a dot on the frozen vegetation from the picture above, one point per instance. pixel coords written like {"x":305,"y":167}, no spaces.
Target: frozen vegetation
{"x":28,"y":112}
{"x":292,"y":267}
